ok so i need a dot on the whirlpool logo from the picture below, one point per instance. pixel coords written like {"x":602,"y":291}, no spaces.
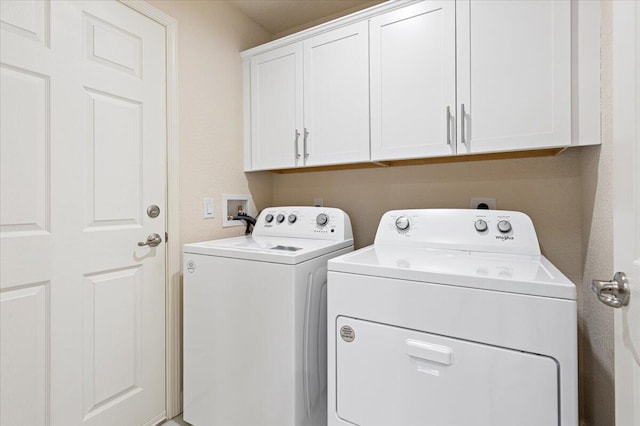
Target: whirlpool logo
{"x":504,"y":237}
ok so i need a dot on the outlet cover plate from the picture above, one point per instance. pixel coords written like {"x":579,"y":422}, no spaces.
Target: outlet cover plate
{"x":491,"y":202}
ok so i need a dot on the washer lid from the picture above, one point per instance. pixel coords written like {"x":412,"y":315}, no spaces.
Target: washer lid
{"x":521,"y":274}
{"x":267,"y":249}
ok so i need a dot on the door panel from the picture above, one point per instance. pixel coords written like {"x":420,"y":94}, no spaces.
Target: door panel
{"x":24,"y":345}
{"x":83,"y":155}
{"x":24,"y":156}
{"x":514,"y":74}
{"x":413,"y":81}
{"x":114,"y":142}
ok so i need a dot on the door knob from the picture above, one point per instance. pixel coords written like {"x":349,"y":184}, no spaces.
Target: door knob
{"x":153,"y":240}
{"x":615,"y":293}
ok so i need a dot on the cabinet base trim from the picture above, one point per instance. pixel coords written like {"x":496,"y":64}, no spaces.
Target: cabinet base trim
{"x":433,"y":160}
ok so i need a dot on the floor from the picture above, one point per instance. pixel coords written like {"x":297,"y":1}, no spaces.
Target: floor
{"x":176,"y":421}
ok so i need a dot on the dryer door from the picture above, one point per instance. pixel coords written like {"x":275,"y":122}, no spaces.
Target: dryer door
{"x":389,"y":375}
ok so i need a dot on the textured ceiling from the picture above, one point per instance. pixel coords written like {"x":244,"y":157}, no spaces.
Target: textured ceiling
{"x":283,"y":16}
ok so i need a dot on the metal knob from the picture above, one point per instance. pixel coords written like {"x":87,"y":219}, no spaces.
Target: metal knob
{"x":280,"y":218}
{"x":268,"y":218}
{"x":292,"y":218}
{"x":481,"y":225}
{"x":402,"y":223}
{"x":153,"y":240}
{"x":615,"y":293}
{"x":504,"y":226}
{"x":322,"y":219}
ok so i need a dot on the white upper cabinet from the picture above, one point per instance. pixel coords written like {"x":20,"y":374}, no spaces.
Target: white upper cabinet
{"x":310,"y":101}
{"x":276,"y":108}
{"x":406,"y":80}
{"x":413,"y":81}
{"x":336,"y":96}
{"x":514,"y":75}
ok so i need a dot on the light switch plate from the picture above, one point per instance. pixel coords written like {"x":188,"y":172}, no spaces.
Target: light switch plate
{"x":208,"y":208}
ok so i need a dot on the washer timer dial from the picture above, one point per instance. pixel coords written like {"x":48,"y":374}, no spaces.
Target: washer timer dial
{"x":322,"y":219}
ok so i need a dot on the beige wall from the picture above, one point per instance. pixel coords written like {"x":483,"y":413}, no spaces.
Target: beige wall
{"x":211,"y":35}
{"x":547,"y":189}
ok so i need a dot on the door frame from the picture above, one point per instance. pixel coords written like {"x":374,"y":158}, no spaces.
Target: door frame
{"x":626,"y":133}
{"x":173,"y":261}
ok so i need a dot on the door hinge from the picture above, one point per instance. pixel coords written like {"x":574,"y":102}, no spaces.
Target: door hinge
{"x":166,"y":237}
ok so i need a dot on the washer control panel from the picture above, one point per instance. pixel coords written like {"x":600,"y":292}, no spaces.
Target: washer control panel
{"x":304,"y":222}
{"x":495,"y":231}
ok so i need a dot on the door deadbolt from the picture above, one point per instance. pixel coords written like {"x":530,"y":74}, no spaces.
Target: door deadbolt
{"x":153,"y":211}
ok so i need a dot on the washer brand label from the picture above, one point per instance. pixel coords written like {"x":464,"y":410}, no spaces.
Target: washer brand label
{"x":191,"y":266}
{"x":347,"y":333}
{"x":504,"y":237}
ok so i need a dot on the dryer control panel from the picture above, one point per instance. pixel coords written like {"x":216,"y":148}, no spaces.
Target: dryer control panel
{"x":325,"y":223}
{"x":493,"y":231}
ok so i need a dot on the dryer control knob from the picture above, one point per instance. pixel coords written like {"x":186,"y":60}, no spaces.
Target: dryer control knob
{"x":292,"y":218}
{"x":322,"y":219}
{"x":280,"y":218}
{"x":504,"y":226}
{"x":481,"y":225}
{"x":268,"y":218}
{"x":402,"y":223}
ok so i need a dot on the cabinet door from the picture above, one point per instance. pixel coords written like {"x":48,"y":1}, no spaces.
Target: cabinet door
{"x":276,"y":108}
{"x":413,"y":81}
{"x":336,"y":96}
{"x":514,"y":74}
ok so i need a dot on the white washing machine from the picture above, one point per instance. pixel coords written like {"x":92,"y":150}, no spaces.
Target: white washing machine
{"x":451,"y":318}
{"x":255,"y":320}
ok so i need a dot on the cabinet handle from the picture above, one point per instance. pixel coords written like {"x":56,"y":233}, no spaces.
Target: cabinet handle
{"x":462,"y":118}
{"x":304,"y":143}
{"x":448,"y":125}
{"x":296,"y":143}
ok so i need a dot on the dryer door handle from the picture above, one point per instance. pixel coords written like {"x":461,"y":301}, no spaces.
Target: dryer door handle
{"x":430,"y":352}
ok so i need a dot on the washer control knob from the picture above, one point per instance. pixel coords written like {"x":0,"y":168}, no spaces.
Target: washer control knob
{"x":481,"y":225}
{"x":504,"y":226}
{"x":280,"y":218}
{"x":402,"y":223}
{"x":292,"y":218}
{"x":322,"y":219}
{"x":268,"y":218}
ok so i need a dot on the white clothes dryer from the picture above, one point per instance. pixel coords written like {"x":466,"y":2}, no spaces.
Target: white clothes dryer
{"x":451,"y":317}
{"x":255,"y":320}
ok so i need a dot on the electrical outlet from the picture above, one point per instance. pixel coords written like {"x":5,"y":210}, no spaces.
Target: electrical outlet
{"x":483,"y":203}
{"x":318,"y":202}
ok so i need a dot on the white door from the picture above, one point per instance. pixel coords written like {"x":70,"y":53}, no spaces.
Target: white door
{"x":413,"y":88}
{"x":626,"y":219}
{"x":336,"y":96}
{"x":514,"y":74}
{"x":276,"y":109}
{"x":83,"y":155}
